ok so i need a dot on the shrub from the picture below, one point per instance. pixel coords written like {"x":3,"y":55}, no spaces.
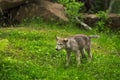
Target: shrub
{"x":71,"y":8}
{"x":101,"y":24}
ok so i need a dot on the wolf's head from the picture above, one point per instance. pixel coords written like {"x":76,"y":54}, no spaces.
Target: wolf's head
{"x":60,"y":43}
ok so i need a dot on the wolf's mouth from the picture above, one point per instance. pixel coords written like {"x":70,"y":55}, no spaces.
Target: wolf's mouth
{"x":57,"y":49}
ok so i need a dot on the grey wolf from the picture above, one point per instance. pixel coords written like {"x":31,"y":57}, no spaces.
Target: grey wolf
{"x":75,"y":44}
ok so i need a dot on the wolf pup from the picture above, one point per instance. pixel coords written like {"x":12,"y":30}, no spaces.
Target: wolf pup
{"x":75,"y":44}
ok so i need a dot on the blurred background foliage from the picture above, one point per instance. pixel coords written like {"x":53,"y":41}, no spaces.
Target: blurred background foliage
{"x":100,"y":5}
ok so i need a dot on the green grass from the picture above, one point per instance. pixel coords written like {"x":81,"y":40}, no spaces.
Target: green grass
{"x":28,"y":53}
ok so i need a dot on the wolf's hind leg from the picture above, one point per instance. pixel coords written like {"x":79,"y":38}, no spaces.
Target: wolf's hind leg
{"x":83,"y":54}
{"x":89,"y":54}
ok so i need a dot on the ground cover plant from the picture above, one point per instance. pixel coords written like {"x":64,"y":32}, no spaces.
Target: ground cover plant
{"x":27,"y":52}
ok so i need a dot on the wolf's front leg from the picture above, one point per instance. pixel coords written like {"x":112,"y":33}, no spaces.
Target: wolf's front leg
{"x":78,"y":58}
{"x":67,"y":58}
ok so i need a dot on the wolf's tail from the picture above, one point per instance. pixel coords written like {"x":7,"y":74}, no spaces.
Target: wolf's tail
{"x":94,"y":36}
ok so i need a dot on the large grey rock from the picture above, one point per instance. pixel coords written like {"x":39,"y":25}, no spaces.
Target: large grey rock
{"x":41,"y":8}
{"x":112,"y":22}
{"x":18,"y":10}
{"x":8,"y":4}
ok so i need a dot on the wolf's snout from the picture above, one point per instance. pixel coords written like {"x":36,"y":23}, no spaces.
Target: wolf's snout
{"x":57,"y":49}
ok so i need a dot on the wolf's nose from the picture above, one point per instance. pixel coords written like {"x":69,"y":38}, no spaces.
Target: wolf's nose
{"x":56,"y":49}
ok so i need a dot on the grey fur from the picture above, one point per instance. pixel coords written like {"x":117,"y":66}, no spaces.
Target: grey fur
{"x":76,"y":44}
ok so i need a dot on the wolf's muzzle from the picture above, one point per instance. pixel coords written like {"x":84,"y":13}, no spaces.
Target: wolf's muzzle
{"x":57,"y":49}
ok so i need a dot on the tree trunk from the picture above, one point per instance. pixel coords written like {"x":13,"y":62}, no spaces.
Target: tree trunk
{"x":110,"y":6}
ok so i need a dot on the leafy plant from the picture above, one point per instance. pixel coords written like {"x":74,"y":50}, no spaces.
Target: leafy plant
{"x":71,"y":7}
{"x":102,"y":20}
{"x":102,"y":15}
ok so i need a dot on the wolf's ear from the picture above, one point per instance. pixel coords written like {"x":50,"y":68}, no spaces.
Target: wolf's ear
{"x":56,"y":37}
{"x":65,"y":40}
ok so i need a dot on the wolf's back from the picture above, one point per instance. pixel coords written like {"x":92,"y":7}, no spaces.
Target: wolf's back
{"x":94,"y":36}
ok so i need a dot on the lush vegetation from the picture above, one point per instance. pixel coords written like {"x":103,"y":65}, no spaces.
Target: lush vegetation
{"x":28,"y":53}
{"x":100,"y":5}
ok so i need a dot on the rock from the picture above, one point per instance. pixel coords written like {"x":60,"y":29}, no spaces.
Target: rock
{"x":12,"y":11}
{"x":113,"y":21}
{"x":42,"y":8}
{"x":8,"y":4}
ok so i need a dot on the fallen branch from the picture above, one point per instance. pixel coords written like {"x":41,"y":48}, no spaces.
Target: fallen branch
{"x":83,"y":24}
